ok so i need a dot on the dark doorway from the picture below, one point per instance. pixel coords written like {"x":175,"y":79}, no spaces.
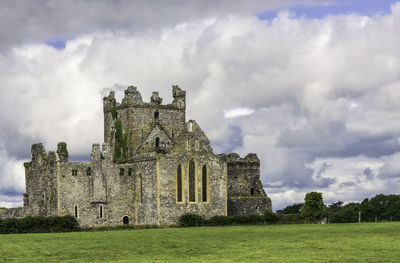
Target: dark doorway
{"x":125,"y":220}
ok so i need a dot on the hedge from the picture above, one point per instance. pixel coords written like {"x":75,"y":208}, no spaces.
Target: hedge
{"x":268,"y":217}
{"x":38,"y":224}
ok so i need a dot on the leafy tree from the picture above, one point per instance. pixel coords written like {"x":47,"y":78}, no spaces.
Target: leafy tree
{"x":291,"y":209}
{"x":313,"y":208}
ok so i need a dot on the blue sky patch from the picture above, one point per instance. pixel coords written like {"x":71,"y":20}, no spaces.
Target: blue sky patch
{"x":56,"y":42}
{"x":362,"y":7}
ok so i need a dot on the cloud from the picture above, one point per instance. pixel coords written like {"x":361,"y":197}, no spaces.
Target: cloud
{"x":317,"y":99}
{"x":391,"y":167}
{"x":237,"y":112}
{"x":49,"y":19}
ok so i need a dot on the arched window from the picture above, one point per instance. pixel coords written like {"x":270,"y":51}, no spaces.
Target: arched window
{"x":192,"y":182}
{"x":125,"y":220}
{"x":204,"y":184}
{"x":89,"y":171}
{"x":179,"y":184}
{"x":156,"y":115}
{"x":190,"y":126}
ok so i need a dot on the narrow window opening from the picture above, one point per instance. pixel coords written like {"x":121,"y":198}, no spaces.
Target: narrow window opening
{"x":156,"y":115}
{"x":139,"y":189}
{"x":157,"y":142}
{"x":101,"y":211}
{"x":74,"y":172}
{"x":197,"y":144}
{"x":142,"y":133}
{"x":204,"y":185}
{"x":130,"y":170}
{"x":179,"y":183}
{"x":125,"y":220}
{"x":172,"y":134}
{"x":252,"y":191}
{"x":89,"y":171}
{"x":187,"y":144}
{"x":121,"y":171}
{"x":192,"y":182}
{"x":76,"y":211}
{"x":190,"y":126}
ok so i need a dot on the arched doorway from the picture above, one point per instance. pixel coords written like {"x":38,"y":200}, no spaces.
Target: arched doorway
{"x":125,"y":220}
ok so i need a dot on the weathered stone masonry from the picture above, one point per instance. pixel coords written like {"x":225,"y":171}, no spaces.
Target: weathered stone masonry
{"x":152,"y":167}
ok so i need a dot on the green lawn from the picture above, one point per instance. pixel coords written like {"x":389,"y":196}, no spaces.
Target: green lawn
{"x":365,"y":242}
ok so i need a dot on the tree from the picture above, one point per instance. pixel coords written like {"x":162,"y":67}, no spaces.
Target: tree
{"x":313,"y":208}
{"x":291,"y":209}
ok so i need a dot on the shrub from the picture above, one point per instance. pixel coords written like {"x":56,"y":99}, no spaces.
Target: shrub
{"x":270,"y":217}
{"x":38,"y":224}
{"x":219,"y":221}
{"x":189,"y":219}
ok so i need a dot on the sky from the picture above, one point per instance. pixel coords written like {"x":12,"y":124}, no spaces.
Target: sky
{"x":311,"y":86}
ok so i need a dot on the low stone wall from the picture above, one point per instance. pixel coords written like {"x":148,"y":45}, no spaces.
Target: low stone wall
{"x":17,"y":212}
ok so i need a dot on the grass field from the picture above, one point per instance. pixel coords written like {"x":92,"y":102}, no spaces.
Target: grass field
{"x":365,"y":242}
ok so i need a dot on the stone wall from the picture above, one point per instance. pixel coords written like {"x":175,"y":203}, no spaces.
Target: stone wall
{"x":246,"y":194}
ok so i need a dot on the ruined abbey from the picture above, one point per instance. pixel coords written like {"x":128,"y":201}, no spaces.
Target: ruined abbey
{"x":152,"y":167}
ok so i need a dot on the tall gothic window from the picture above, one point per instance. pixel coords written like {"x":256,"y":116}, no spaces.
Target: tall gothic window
{"x":179,"y":184}
{"x":204,"y":185}
{"x":192,"y":182}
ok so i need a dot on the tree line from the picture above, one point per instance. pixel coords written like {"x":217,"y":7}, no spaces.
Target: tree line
{"x":379,"y":208}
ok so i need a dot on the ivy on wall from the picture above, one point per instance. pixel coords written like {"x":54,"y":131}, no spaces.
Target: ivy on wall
{"x":120,"y":151}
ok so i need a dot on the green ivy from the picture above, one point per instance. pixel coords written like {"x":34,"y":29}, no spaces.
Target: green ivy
{"x":120,"y":141}
{"x":27,"y":165}
{"x":62,"y":148}
{"x":113,"y":112}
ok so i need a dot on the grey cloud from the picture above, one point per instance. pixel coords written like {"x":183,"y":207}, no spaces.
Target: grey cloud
{"x":391,"y":167}
{"x":233,"y":140}
{"x":369,"y":173}
{"x":41,"y":20}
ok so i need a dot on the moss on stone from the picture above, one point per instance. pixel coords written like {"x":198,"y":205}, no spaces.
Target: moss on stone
{"x":27,"y":164}
{"x":62,"y":148}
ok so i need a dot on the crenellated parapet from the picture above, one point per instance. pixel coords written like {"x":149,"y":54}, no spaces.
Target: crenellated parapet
{"x":133,"y":98}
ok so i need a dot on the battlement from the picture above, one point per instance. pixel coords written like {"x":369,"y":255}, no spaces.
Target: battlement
{"x":250,"y":158}
{"x":134,"y":99}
